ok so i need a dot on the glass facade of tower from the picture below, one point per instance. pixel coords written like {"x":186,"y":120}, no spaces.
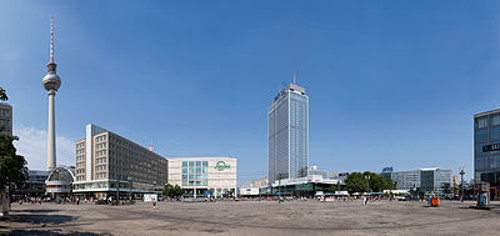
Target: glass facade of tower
{"x":288,"y":134}
{"x":487,"y":147}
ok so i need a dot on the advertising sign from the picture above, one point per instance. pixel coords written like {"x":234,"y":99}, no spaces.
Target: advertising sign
{"x":388,"y":169}
{"x":491,"y":147}
{"x":221,"y":165}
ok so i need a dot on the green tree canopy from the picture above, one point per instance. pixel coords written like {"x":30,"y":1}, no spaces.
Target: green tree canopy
{"x":13,"y":170}
{"x":172,"y":191}
{"x":3,"y":95}
{"x":356,"y":182}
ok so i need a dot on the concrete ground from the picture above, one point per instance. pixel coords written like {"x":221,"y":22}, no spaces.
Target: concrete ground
{"x":253,"y":218}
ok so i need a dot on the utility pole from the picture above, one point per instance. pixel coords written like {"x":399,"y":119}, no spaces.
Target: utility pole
{"x":279,"y":185}
{"x":462,"y":173}
{"x":390,"y":186}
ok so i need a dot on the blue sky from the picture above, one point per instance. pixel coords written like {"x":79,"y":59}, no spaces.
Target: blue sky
{"x":391,"y":83}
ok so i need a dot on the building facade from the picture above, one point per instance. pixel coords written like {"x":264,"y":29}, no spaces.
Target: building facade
{"x":5,"y":118}
{"x":34,"y":186}
{"x":436,"y":180}
{"x":404,"y":180}
{"x":204,"y":176}
{"x":59,"y":182}
{"x":313,"y":170}
{"x":487,"y":147}
{"x":288,"y":134}
{"x":309,"y":186}
{"x":110,"y":165}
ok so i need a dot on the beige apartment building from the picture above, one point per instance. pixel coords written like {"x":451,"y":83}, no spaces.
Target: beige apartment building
{"x":108,"y":165}
{"x":5,"y":118}
{"x":204,"y":176}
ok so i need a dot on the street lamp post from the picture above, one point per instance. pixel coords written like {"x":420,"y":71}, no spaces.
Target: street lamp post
{"x":130,"y":187}
{"x":118,"y":190}
{"x":367,"y":183}
{"x":279,"y":185}
{"x":462,"y":173}
{"x":390,"y":187}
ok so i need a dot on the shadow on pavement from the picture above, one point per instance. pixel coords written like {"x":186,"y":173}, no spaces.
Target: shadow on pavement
{"x":35,"y":211}
{"x":42,"y":219}
{"x":50,"y":233}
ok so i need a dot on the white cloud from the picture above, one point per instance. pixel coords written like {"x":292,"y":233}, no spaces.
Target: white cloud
{"x":32,"y":145}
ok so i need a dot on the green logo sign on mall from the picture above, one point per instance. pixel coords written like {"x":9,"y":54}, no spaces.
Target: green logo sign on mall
{"x":221,"y":165}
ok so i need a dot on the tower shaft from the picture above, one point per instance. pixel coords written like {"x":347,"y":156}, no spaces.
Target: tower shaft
{"x":51,"y":137}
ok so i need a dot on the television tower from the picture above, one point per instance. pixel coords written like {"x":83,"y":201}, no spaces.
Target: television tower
{"x":51,"y":82}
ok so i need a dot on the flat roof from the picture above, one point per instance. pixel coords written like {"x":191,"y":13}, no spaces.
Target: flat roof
{"x":484,"y":113}
{"x":199,"y":158}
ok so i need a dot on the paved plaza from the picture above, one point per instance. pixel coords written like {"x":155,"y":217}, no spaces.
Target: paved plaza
{"x":253,"y":218}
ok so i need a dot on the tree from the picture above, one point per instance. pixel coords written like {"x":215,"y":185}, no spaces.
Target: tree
{"x":3,"y":95}
{"x":13,"y":170}
{"x":356,"y":182}
{"x":446,"y":188}
{"x":172,"y":191}
{"x":335,"y":188}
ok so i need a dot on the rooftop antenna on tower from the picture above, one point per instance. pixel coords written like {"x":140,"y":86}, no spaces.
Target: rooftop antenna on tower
{"x":294,"y":78}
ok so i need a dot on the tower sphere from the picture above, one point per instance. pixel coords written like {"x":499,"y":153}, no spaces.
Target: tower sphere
{"x":51,"y":81}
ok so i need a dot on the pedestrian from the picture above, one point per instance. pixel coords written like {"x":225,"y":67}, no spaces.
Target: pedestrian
{"x":154,"y":203}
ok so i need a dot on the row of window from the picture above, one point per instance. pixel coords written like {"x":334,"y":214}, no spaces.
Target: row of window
{"x":482,"y":122}
{"x":482,"y":163}
{"x":100,"y":146}
{"x":80,"y":158}
{"x":195,"y":183}
{"x":80,"y":164}
{"x":80,"y":145}
{"x":4,"y":113}
{"x":484,"y":135}
{"x":100,"y":138}
{"x":5,"y":123}
{"x":80,"y":171}
{"x":100,"y":176}
{"x":80,"y":178}
{"x":194,"y":163}
{"x":100,"y":160}
{"x":100,"y":168}
{"x":100,"y":153}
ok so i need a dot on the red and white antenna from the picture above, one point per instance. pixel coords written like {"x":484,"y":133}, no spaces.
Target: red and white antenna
{"x":51,"y":39}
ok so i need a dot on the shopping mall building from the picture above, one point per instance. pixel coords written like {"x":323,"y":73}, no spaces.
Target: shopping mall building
{"x":204,"y":176}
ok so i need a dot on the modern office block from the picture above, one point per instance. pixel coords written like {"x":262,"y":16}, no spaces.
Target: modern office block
{"x":288,"y":134}
{"x":429,"y":180}
{"x":404,"y":180}
{"x":436,"y":180}
{"x":487,"y":147}
{"x":108,"y":164}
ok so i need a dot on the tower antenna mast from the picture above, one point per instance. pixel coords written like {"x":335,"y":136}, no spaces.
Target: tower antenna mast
{"x":51,"y":39}
{"x":294,"y":79}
